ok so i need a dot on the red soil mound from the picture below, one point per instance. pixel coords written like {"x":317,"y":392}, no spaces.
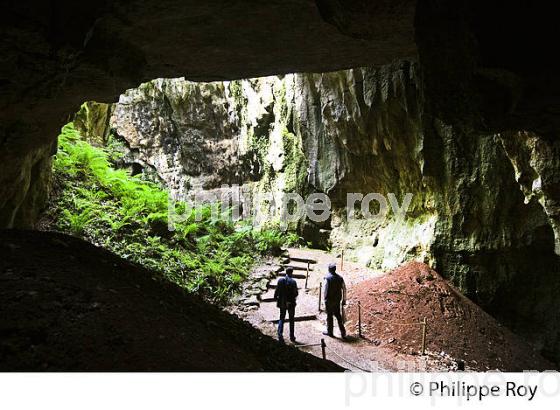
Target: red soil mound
{"x":457,"y":327}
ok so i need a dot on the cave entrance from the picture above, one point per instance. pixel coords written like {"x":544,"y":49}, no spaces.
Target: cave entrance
{"x":268,"y":148}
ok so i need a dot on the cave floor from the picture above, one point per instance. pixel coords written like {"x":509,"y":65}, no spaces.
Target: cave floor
{"x":68,"y":305}
{"x":480,"y":342}
{"x":353,"y":353}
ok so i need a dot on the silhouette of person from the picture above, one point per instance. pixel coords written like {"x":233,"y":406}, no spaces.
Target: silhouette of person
{"x":334,"y":292}
{"x":285,"y":295}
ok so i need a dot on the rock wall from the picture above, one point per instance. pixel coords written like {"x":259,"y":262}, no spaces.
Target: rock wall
{"x":494,"y":243}
{"x":363,"y":134}
{"x":536,"y":162}
{"x":355,"y":130}
{"x":477,"y":215}
{"x":201,"y":137}
{"x":24,"y":184}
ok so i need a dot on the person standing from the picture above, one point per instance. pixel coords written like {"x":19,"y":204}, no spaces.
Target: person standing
{"x":334,"y":293}
{"x":285,"y":295}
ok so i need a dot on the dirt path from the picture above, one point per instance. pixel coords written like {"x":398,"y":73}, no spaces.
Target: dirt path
{"x":353,"y":353}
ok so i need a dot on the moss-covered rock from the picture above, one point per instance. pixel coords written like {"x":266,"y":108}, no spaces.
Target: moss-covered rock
{"x":92,"y":121}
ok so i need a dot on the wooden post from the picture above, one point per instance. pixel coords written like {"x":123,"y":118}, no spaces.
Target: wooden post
{"x":307,"y":275}
{"x":320,"y":290}
{"x":323,"y":349}
{"x":359,"y":319}
{"x":342,"y":260}
{"x":424,"y":325}
{"x":239,"y":203}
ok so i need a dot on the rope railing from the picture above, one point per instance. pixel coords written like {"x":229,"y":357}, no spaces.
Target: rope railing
{"x":309,"y":345}
{"x":323,"y":345}
{"x":324,"y":348}
{"x":348,"y":361}
{"x":399,"y":323}
{"x":422,"y":323}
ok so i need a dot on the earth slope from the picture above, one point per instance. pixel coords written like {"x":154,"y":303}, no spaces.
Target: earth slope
{"x":68,"y":305}
{"x":394,"y":304}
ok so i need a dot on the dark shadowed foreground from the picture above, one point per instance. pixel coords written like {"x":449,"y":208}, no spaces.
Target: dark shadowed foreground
{"x":68,"y":305}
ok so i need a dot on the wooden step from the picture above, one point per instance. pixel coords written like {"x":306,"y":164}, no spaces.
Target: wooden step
{"x":303,"y":318}
{"x":294,"y":275}
{"x":269,"y":294}
{"x":304,"y":260}
{"x":297,"y":267}
{"x":300,"y":282}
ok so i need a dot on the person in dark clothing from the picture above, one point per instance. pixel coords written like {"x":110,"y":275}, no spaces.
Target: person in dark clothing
{"x":285,"y":295}
{"x":334,"y":293}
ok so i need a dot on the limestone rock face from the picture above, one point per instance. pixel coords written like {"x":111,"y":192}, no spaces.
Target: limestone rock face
{"x":185,"y":131}
{"x":25,"y":179}
{"x":202,"y":139}
{"x":537,"y":170}
{"x":492,"y":241}
{"x":93,"y":122}
{"x":356,"y":130}
{"x":362,"y":133}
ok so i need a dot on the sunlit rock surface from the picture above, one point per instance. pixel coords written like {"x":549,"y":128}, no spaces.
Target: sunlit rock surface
{"x":356,"y":130}
{"x":536,"y":162}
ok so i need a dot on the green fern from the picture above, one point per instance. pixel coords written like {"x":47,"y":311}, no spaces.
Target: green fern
{"x":129,"y":216}
{"x":77,"y":222}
